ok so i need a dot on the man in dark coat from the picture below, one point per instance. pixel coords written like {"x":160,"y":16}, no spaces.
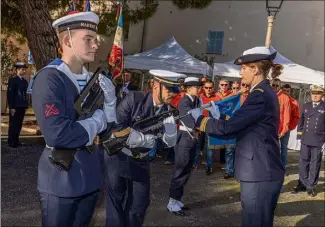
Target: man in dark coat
{"x":18,"y":103}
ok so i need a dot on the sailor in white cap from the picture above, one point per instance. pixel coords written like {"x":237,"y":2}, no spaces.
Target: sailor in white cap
{"x":127,"y":173}
{"x":18,"y":103}
{"x":186,"y":146}
{"x":255,"y":125}
{"x":68,"y":198}
{"x":311,"y":132}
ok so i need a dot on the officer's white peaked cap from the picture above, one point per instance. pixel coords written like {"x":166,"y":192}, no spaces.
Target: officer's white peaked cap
{"x":77,"y":20}
{"x":255,"y":54}
{"x":317,"y":88}
{"x":192,"y":81}
{"x":167,"y":77}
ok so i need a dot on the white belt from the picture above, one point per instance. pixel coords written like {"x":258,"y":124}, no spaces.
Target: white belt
{"x":182,"y":128}
{"x":129,"y":153}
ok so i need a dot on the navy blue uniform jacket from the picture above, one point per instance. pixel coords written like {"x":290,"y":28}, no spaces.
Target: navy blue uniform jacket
{"x":311,"y":127}
{"x":255,"y":127}
{"x":17,"y":93}
{"x":54,"y":95}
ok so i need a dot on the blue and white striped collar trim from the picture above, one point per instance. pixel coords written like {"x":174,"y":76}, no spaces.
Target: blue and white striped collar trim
{"x":61,"y":66}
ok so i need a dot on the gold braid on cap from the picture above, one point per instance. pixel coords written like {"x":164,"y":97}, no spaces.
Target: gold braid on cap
{"x":167,"y":81}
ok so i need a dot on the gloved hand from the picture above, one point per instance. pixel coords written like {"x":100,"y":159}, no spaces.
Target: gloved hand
{"x":138,"y":139}
{"x":196,"y":113}
{"x":99,"y":118}
{"x":170,"y":126}
{"x":109,"y":98}
{"x":323,"y":148}
{"x":214,"y":110}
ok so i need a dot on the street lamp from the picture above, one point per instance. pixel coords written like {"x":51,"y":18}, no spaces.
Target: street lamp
{"x":272,"y":8}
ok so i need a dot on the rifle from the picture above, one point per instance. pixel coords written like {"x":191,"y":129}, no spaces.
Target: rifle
{"x":152,"y":125}
{"x":89,"y":100}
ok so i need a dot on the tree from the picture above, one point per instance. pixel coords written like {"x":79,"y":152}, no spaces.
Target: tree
{"x":31,"y":20}
{"x":9,"y":55}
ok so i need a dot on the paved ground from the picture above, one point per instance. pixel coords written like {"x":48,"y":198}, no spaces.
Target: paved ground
{"x":213,"y":200}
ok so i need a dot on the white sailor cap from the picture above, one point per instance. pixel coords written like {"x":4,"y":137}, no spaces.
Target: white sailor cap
{"x":317,"y":88}
{"x":192,"y":81}
{"x":170,"y":80}
{"x":20,"y":65}
{"x":77,"y":20}
{"x":255,"y":54}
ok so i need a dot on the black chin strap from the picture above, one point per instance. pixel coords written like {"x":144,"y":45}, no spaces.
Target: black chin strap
{"x":160,"y":93}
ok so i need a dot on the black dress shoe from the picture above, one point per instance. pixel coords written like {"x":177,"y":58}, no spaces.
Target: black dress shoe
{"x":311,"y":192}
{"x":208,"y":171}
{"x":12,"y":145}
{"x":227,"y":176}
{"x":185,"y":207}
{"x":20,"y":144}
{"x":179,"y":213}
{"x":299,"y":188}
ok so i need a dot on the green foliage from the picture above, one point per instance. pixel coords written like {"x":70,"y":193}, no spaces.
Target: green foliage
{"x":205,"y":58}
{"x":192,"y":4}
{"x":9,"y":55}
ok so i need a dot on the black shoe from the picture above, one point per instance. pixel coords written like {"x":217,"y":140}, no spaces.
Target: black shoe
{"x":12,"y":145}
{"x":208,"y":171}
{"x":311,"y":192}
{"x":20,"y":144}
{"x":299,"y":188}
{"x":179,"y":213}
{"x":227,"y":176}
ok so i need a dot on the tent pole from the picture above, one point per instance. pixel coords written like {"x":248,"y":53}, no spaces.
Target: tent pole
{"x":142,"y":82}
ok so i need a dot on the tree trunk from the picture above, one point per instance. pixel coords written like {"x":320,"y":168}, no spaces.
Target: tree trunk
{"x":42,"y":39}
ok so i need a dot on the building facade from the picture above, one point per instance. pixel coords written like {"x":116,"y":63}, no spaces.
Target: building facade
{"x":225,"y":29}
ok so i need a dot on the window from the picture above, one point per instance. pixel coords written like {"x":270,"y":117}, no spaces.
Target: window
{"x":215,"y":42}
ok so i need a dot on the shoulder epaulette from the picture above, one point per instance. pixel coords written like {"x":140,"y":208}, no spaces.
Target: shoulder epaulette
{"x":258,"y":89}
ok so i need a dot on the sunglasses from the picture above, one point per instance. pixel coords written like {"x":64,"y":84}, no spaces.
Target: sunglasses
{"x":244,"y":85}
{"x":208,"y":88}
{"x":275,"y":85}
{"x":223,"y":84}
{"x":235,"y":88}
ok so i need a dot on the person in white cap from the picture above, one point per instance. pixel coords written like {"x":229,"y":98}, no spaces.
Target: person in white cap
{"x":186,"y":147}
{"x":68,"y":198}
{"x":311,"y":131}
{"x":255,"y":126}
{"x":18,"y":103}
{"x":127,"y":173}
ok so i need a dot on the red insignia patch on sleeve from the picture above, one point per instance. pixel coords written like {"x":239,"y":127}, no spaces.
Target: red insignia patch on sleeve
{"x":51,"y":110}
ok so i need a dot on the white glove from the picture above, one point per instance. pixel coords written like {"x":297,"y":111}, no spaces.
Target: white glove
{"x":170,"y":135}
{"x":109,"y":98}
{"x":170,"y":126}
{"x":323,"y":147}
{"x":138,"y":139}
{"x":196,"y":113}
{"x":99,"y":118}
{"x":94,"y":125}
{"x":214,"y":110}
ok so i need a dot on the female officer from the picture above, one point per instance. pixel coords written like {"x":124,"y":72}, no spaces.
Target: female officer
{"x":255,"y":126}
{"x":185,"y":148}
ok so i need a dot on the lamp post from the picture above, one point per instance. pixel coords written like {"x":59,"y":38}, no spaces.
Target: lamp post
{"x":272,"y":8}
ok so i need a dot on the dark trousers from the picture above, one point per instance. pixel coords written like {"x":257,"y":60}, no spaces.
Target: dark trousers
{"x":15,"y":125}
{"x":127,"y":191}
{"x":309,"y":165}
{"x":185,"y":151}
{"x":259,"y":200}
{"x":76,"y":211}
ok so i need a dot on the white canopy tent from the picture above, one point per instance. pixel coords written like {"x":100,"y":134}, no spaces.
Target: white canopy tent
{"x":168,"y":56}
{"x":293,"y":73}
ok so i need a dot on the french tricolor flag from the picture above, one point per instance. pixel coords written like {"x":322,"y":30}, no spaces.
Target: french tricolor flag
{"x":116,"y":57}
